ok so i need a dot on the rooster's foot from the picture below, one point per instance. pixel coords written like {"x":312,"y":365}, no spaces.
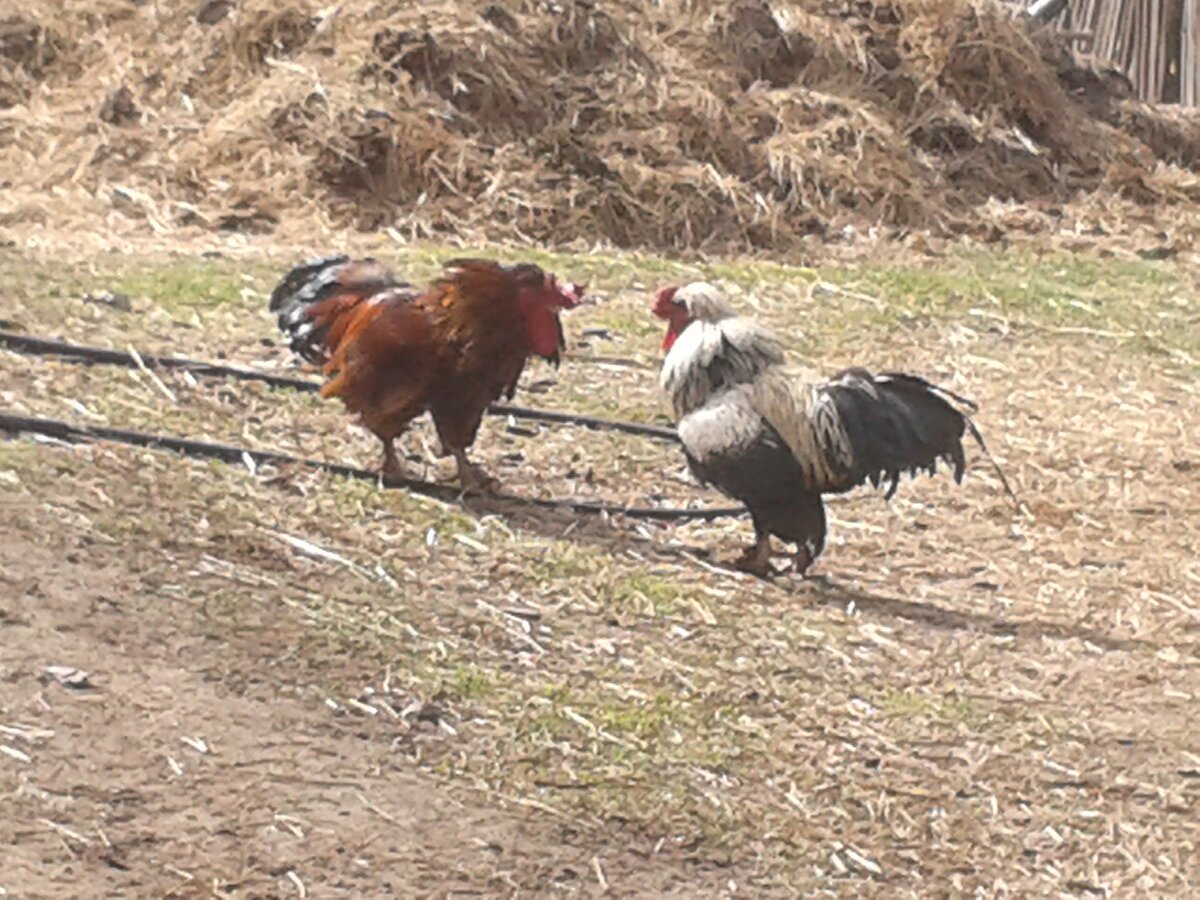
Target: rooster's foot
{"x":802,"y":561}
{"x":474,"y":478}
{"x":756,"y":559}
{"x":392,"y":471}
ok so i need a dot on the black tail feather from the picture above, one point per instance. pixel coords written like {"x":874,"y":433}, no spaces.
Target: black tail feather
{"x":307,"y":285}
{"x":299,"y":278}
{"x":978,"y":436}
{"x":899,"y":424}
{"x":932,"y":388}
{"x":955,"y":454}
{"x":298,"y":290}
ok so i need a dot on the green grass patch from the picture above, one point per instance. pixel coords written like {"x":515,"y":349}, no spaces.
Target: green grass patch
{"x":815,"y":307}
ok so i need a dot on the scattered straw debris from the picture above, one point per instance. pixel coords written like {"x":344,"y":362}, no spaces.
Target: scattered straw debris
{"x":14,"y":753}
{"x":953,"y":699}
{"x":69,"y":677}
{"x":679,"y":124}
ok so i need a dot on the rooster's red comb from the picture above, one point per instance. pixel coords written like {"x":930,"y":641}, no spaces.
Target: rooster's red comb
{"x":571,"y":294}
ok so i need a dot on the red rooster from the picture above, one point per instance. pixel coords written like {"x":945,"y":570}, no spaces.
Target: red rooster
{"x":777,"y":438}
{"x":391,"y":351}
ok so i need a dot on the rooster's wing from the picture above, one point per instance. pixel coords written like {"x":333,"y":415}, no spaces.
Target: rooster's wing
{"x":857,"y":427}
{"x":729,"y":445}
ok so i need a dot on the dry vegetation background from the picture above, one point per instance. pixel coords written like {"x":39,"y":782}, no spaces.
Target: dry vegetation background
{"x":668,"y":125}
{"x":305,"y":686}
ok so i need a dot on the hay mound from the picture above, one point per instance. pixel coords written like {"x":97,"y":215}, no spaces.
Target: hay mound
{"x":679,"y":124}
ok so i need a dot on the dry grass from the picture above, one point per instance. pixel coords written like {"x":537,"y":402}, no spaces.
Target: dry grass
{"x":682,"y":125}
{"x":958,"y":701}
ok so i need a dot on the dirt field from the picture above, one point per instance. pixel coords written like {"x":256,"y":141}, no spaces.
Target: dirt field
{"x":190,"y":770}
{"x":444,"y":700}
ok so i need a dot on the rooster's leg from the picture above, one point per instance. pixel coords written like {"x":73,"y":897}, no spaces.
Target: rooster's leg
{"x":392,"y":470}
{"x":803,"y":559}
{"x":471,"y":476}
{"x":756,"y":559}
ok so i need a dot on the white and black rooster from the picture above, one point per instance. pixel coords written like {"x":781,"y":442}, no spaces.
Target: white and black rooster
{"x":777,"y":437}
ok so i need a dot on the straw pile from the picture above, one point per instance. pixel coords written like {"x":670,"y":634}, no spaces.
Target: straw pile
{"x":679,"y":124}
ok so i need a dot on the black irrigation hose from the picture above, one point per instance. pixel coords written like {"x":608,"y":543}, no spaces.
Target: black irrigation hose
{"x":36,"y":346}
{"x":66,"y":431}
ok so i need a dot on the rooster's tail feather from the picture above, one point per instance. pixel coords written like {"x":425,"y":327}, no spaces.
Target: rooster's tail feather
{"x":313,"y":302}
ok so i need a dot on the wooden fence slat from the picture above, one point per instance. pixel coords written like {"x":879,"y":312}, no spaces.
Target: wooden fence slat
{"x":1156,"y":43}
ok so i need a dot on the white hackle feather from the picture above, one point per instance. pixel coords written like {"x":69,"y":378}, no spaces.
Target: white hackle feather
{"x":719,"y":350}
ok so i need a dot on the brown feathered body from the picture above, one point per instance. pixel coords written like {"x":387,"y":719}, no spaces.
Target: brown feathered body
{"x":778,"y":437}
{"x":392,"y":352}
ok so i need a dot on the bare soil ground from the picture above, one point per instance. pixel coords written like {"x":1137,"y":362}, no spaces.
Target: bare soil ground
{"x":188,"y":769}
{"x":495,"y":700}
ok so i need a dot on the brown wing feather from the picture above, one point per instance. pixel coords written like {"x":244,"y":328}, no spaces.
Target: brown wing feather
{"x":391,"y":352}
